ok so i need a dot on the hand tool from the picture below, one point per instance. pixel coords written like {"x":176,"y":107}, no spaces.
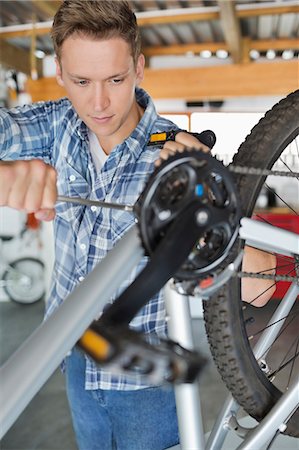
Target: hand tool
{"x":98,"y":203}
{"x":207,"y":137}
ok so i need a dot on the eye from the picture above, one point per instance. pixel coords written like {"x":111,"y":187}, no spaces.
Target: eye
{"x":81,"y":82}
{"x":117,"y":80}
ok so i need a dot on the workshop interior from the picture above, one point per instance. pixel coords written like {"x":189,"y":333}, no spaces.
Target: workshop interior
{"x":215,"y":69}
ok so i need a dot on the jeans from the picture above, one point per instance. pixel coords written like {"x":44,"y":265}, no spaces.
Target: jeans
{"x":144,"y":419}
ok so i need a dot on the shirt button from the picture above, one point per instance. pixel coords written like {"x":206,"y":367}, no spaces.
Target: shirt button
{"x":81,"y":278}
{"x":93,"y":208}
{"x":82,"y":246}
{"x":72,"y":177}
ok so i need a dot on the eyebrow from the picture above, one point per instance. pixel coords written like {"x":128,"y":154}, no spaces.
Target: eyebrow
{"x":117,"y":75}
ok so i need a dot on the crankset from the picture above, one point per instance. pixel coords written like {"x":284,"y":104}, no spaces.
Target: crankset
{"x":188,"y":219}
{"x":185,"y":177}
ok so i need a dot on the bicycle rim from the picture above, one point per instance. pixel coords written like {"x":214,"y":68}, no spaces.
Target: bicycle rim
{"x":257,"y":386}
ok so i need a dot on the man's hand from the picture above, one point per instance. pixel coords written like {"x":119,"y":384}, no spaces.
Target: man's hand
{"x":29,"y":186}
{"x":182,"y":142}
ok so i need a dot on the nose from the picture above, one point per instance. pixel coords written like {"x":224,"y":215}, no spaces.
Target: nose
{"x":100,"y":98}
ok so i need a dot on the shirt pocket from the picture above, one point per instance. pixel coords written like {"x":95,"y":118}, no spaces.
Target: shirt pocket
{"x":71,"y":184}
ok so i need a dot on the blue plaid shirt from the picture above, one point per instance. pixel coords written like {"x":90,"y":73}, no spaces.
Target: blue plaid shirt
{"x":52,"y":131}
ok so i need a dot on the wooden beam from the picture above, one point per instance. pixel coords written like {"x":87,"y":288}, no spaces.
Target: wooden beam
{"x":26,"y":32}
{"x":231,"y":29}
{"x":242,"y":11}
{"x":271,"y":9}
{"x":181,"y":49}
{"x":184,"y":16}
{"x":201,"y":83}
{"x":18,"y":59}
{"x":275,"y":44}
{"x":46,"y":7}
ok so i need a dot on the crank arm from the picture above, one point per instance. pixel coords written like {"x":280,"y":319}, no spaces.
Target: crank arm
{"x":126,"y":350}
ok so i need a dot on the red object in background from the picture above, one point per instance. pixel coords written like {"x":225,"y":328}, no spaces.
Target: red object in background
{"x":32,"y":223}
{"x":285,"y":265}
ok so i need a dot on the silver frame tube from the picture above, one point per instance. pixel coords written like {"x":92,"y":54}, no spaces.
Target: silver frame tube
{"x":274,"y":421}
{"x":32,"y":364}
{"x":221,"y":427}
{"x":186,"y":394}
{"x":276,"y":322}
{"x":269,"y":238}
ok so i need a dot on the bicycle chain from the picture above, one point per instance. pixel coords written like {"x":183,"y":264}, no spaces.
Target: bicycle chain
{"x":244,"y":170}
{"x":267,"y":277}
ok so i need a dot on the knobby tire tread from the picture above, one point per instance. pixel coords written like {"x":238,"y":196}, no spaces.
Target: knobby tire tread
{"x":223,"y":313}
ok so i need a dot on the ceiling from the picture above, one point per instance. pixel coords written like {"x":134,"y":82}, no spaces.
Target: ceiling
{"x":226,"y":31}
{"x":172,"y":27}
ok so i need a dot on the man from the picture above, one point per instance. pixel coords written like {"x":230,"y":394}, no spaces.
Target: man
{"x":94,"y":144}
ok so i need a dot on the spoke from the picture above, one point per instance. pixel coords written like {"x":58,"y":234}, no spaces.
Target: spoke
{"x":291,"y":316}
{"x":293,"y":363}
{"x":290,"y":260}
{"x":291,"y":263}
{"x":288,"y":167}
{"x":256,"y":298}
{"x":262,"y":219}
{"x":282,"y":200}
{"x":291,"y":360}
{"x":289,"y":352}
{"x":267,"y":270}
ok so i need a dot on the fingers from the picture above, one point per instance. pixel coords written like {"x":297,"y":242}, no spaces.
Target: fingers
{"x":190,"y":141}
{"x":29,"y":186}
{"x":45,"y":214}
{"x":183,"y":141}
{"x":170,"y":148}
{"x":6,"y":180}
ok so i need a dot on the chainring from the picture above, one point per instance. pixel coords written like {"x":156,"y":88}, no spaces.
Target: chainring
{"x":184,"y":177}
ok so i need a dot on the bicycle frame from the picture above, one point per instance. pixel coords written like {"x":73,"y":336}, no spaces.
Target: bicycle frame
{"x":63,"y":329}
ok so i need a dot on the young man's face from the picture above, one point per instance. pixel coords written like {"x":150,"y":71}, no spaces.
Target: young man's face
{"x":100,"y":79}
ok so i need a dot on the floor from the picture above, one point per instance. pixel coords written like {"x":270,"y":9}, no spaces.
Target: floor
{"x":45,"y":424}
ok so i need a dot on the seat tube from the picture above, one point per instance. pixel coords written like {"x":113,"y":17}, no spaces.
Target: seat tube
{"x":187,"y":394}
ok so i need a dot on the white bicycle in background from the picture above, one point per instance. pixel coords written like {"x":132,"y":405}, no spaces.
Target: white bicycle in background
{"x":21,"y":276}
{"x":191,"y":194}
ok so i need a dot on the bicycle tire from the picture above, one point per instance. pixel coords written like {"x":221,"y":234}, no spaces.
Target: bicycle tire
{"x":18,"y":291}
{"x":223,"y":314}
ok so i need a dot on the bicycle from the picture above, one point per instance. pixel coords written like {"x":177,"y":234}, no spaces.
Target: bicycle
{"x":251,"y":382}
{"x":22,"y":279}
{"x":223,"y":314}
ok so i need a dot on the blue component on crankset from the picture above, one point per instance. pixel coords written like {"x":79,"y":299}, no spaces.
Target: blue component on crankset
{"x":199,"y":190}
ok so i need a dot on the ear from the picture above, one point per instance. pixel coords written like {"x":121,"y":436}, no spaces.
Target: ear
{"x":59,"y":73}
{"x":140,"y":68}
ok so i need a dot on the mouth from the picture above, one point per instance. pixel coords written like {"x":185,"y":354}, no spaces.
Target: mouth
{"x":103,"y":119}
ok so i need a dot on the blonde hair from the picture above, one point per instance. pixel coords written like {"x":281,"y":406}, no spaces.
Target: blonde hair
{"x":98,"y":19}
